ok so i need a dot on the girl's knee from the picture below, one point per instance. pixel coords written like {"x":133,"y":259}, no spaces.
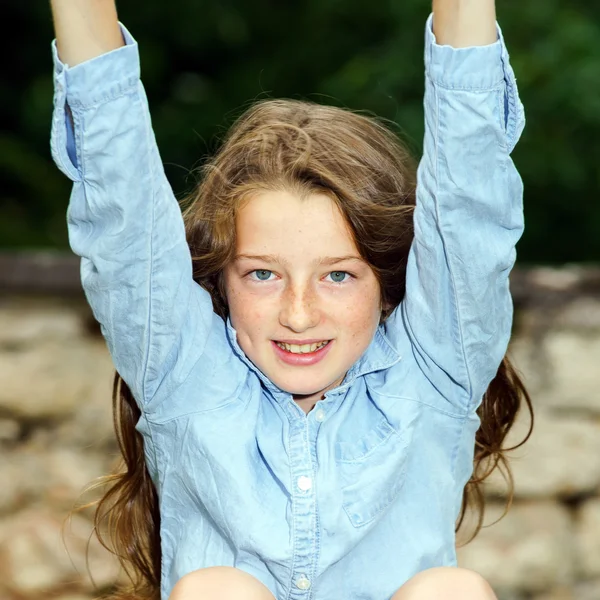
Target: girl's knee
{"x":220,"y":583}
{"x":446,"y":583}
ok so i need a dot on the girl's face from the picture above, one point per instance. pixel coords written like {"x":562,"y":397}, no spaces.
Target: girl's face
{"x":298,"y":277}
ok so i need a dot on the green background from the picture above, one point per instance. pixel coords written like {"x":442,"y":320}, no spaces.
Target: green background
{"x":203,"y":62}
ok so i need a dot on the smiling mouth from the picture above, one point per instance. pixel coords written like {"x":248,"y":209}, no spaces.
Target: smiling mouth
{"x":304,"y":348}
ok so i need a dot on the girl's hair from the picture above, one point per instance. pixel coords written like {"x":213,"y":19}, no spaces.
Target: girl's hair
{"x":300,"y":147}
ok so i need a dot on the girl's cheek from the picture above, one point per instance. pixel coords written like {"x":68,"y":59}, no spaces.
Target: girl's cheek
{"x":250,"y":307}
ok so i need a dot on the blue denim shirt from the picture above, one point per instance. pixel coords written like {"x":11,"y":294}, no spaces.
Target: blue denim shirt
{"x":360,"y":494}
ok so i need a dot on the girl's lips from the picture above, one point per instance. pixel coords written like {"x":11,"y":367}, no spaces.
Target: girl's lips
{"x":310,"y":358}
{"x":302,"y":342}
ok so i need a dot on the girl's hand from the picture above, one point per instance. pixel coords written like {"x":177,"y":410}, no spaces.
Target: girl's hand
{"x":85,"y":29}
{"x":462,"y":23}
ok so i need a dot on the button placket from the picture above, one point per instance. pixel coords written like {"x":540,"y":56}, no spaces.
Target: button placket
{"x":306,"y":550}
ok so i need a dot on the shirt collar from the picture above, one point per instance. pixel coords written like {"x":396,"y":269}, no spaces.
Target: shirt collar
{"x":380,"y":354}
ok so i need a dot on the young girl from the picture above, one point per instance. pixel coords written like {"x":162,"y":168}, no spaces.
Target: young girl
{"x":312,"y":358}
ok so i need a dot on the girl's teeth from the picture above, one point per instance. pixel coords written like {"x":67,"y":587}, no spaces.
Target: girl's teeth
{"x":304,"y":349}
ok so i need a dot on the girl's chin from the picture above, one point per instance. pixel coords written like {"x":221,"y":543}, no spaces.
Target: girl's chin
{"x":299,"y":389}
{"x":301,"y":393}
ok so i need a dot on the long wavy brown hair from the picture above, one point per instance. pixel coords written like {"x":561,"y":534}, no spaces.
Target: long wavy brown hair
{"x":304,"y":148}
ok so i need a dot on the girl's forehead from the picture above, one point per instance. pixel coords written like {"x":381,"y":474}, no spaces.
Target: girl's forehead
{"x":281,"y":219}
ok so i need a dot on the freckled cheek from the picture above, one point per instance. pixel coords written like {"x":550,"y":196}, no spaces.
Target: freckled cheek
{"x":247,"y":312}
{"x":362,"y":316}
{"x":237,"y":306}
{"x":361,"y":322}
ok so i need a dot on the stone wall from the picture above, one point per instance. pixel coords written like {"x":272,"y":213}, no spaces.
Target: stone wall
{"x":56,"y":436}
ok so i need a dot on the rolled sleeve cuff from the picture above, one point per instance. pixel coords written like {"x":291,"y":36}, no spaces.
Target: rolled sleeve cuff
{"x":476,"y":69}
{"x":87,"y":84}
{"x":99,"y":79}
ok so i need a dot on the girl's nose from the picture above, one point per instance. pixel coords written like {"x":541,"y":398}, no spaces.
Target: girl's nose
{"x":299,"y":310}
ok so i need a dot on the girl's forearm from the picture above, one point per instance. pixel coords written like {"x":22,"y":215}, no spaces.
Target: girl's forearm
{"x":85,"y":29}
{"x":462,"y":23}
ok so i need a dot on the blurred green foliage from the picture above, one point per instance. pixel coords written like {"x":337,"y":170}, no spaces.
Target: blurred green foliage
{"x":203,"y":62}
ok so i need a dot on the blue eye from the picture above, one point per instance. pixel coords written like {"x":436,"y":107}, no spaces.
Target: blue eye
{"x":260,"y":272}
{"x":337,"y":273}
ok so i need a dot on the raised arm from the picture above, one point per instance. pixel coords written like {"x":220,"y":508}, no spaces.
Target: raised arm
{"x":123,"y":219}
{"x":456,"y":317}
{"x":85,"y":29}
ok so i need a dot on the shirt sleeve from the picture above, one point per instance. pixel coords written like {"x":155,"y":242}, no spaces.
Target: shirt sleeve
{"x":457,"y":311}
{"x":127,"y":227}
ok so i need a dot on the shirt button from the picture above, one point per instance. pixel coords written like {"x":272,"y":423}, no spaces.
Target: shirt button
{"x":304,"y":483}
{"x":303,"y":582}
{"x":320,"y":415}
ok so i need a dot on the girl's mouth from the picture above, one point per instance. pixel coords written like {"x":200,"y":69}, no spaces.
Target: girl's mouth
{"x":302,"y":349}
{"x":302,"y":355}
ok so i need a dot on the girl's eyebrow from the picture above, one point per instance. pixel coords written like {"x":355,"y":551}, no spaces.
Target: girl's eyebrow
{"x":275,"y":258}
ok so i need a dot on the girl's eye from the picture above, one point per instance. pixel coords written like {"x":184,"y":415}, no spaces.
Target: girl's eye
{"x":336,"y":274}
{"x":261,"y":274}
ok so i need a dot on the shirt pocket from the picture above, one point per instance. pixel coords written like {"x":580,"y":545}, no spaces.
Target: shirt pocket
{"x":372,"y":468}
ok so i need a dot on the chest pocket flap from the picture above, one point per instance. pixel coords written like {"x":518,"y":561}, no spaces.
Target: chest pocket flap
{"x":371,"y":466}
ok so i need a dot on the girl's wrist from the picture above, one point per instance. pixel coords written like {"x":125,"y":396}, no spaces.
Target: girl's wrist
{"x":85,"y":29}
{"x":464,"y":23}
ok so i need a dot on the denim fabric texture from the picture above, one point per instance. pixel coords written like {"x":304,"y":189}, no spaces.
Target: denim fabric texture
{"x":353,"y":499}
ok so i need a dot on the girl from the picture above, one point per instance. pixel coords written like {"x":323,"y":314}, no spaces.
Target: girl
{"x":312,"y":359}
